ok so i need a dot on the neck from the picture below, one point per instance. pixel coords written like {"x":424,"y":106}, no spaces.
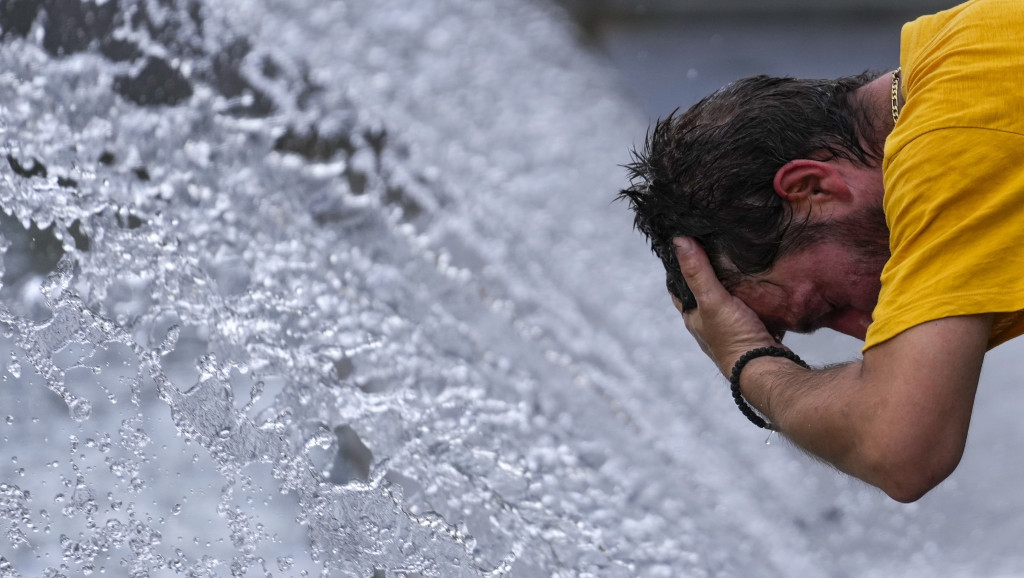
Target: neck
{"x":877,"y":97}
{"x":875,"y":101}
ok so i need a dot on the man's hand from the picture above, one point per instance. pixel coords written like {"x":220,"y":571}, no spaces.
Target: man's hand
{"x":897,"y":419}
{"x":722,"y":324}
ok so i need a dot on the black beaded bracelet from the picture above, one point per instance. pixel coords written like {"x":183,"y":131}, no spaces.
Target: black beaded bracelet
{"x":746,"y":358}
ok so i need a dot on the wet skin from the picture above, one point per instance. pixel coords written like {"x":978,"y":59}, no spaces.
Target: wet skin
{"x":825,"y":285}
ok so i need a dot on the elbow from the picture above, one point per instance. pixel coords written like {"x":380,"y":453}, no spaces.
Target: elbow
{"x":908,"y":491}
{"x":907,"y":478}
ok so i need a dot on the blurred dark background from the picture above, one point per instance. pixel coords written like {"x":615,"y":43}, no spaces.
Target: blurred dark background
{"x":671,"y":53}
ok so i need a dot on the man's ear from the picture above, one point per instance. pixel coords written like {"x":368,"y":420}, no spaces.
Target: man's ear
{"x":810,"y":185}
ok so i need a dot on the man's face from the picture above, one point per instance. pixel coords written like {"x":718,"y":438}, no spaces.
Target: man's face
{"x":834,"y":282}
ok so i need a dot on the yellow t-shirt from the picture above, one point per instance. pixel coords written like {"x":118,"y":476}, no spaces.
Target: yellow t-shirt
{"x":954,"y":174}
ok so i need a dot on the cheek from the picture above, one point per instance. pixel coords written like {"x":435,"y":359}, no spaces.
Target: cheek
{"x":866,"y":291}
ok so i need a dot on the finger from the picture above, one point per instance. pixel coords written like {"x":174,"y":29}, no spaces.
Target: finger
{"x":697,"y":270}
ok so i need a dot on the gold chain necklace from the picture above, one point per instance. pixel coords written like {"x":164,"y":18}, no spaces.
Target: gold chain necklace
{"x":895,"y":95}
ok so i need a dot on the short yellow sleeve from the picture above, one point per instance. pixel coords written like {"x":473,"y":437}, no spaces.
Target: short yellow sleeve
{"x":956,"y":232}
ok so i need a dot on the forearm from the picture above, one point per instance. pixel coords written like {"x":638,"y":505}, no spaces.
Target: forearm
{"x":816,"y":409}
{"x":863,"y":424}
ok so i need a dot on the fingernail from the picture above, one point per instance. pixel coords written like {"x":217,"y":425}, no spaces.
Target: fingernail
{"x":683,"y":245}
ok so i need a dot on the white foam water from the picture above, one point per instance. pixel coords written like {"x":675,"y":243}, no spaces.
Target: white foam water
{"x":295,"y":288}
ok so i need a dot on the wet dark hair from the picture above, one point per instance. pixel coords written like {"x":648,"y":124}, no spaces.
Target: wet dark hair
{"x":708,"y":173}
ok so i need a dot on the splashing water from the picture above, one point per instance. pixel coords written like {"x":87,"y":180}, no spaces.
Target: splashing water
{"x":302,"y":288}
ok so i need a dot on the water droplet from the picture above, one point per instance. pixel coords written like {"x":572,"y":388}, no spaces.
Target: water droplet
{"x":171,"y":340}
{"x":254,"y":396}
{"x":14,"y":368}
{"x":80,"y":409}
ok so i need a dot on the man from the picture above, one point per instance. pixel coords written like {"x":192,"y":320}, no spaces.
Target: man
{"x":888,"y":207}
